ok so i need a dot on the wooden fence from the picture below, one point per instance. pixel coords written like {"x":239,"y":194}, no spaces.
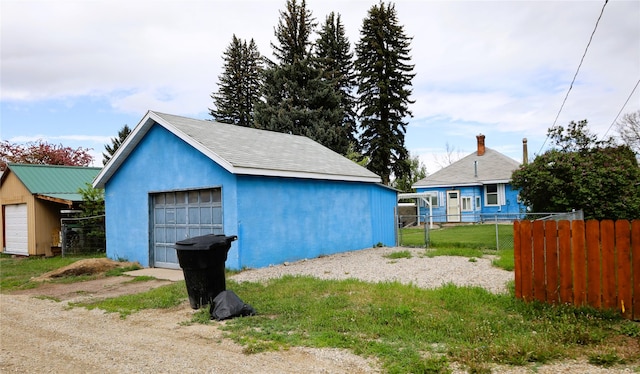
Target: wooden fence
{"x":594,"y":263}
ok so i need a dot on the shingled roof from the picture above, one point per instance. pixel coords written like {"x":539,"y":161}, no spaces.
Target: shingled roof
{"x":473,"y":170}
{"x":248,"y":151}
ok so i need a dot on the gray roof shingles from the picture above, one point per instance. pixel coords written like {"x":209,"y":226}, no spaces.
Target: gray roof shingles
{"x":492,"y":166}
{"x":245,"y":151}
{"x":249,"y":148}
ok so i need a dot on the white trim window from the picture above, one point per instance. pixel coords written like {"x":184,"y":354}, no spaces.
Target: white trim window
{"x":466,"y":203}
{"x":494,"y":194}
{"x":478,"y":206}
{"x":433,"y":198}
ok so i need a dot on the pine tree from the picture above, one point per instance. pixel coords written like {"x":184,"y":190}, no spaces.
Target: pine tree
{"x":297,"y":98}
{"x":384,"y":75}
{"x":335,"y":59}
{"x":239,"y":84}
{"x":115,"y":144}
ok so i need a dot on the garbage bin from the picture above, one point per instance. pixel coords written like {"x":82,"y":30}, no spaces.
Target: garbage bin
{"x":202,"y":259}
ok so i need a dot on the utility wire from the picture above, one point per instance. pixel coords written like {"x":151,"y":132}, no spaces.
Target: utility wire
{"x":621,"y":109}
{"x":576,"y":74}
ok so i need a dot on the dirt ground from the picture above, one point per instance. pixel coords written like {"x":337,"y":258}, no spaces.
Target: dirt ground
{"x":40,"y":333}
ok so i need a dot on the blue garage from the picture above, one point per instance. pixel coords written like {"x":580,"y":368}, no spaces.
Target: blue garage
{"x":286,"y":197}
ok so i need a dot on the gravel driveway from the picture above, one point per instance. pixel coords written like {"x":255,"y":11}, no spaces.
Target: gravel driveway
{"x":44,"y":336}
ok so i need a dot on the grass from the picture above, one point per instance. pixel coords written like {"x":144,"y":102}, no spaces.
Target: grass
{"x":481,"y":236}
{"x":473,"y":241}
{"x":398,"y":254}
{"x":16,"y":273}
{"x":416,"y":330}
{"x":157,"y":298}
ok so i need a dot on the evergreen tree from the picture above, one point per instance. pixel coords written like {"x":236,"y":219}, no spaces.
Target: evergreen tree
{"x":115,"y":144}
{"x":239,"y":84}
{"x":297,"y":98}
{"x":334,"y":57}
{"x":384,"y":79}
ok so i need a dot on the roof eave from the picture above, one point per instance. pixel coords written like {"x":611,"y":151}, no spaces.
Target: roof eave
{"x":138,"y":134}
{"x":305,"y":175}
{"x":463,"y":184}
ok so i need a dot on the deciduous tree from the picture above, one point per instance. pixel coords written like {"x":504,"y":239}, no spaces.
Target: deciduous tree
{"x":41,"y":152}
{"x":629,"y":130}
{"x":581,"y":172}
{"x":417,"y":171}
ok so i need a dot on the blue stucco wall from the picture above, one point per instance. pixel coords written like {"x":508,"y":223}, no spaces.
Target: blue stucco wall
{"x":276,"y":219}
{"x":287,"y":219}
{"x":160,"y":162}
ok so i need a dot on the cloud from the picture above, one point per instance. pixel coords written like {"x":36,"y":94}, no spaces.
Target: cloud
{"x":486,"y":66}
{"x":60,"y":138}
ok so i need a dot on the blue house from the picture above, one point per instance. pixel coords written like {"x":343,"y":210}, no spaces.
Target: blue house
{"x":286,"y":197}
{"x":472,"y":189}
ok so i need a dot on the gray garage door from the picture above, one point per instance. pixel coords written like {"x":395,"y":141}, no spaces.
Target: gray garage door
{"x":178,"y":215}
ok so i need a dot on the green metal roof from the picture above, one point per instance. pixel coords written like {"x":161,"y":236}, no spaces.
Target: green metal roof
{"x":60,"y":182}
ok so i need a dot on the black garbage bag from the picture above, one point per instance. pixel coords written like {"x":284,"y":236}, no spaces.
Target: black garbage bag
{"x":228,"y":305}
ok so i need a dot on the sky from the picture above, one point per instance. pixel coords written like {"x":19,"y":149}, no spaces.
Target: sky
{"x":75,"y":72}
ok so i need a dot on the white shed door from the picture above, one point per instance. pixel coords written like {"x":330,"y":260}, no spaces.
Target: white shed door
{"x":15,"y":221}
{"x":179,"y":215}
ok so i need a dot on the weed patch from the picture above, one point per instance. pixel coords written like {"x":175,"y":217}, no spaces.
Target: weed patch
{"x":398,"y":254}
{"x":157,"y":298}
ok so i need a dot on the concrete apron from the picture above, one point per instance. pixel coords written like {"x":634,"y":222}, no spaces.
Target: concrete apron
{"x":158,"y":273}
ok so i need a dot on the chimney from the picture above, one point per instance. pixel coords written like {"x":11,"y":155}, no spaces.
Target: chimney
{"x":525,"y":152}
{"x":480,"y":144}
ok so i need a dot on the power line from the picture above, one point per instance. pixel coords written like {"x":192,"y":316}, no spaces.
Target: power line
{"x":576,"y":74}
{"x":621,"y":109}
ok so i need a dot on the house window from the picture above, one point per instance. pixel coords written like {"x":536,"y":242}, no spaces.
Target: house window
{"x":466,"y":203}
{"x":477,"y":202}
{"x":494,"y":195}
{"x":431,"y":197}
{"x":491,"y":194}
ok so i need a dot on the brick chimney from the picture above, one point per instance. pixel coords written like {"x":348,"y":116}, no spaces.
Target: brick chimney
{"x":525,"y":152}
{"x":480,"y":144}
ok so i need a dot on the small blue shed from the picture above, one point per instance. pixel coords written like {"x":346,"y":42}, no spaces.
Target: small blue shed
{"x":286,"y":197}
{"x":472,"y":189}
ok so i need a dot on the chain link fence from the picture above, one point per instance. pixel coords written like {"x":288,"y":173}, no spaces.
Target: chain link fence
{"x":82,"y":235}
{"x":416,"y":230}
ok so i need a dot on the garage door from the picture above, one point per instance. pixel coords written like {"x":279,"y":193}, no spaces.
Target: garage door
{"x":179,"y":215}
{"x":15,"y":221}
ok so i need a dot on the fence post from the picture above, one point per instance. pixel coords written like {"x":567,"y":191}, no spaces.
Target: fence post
{"x":579,"y":263}
{"x":538,"y":261}
{"x":623,"y":250}
{"x":517,"y":259}
{"x":427,"y":239}
{"x":497,"y":237}
{"x":635,"y":257}
{"x":526,"y":259}
{"x":609,"y":299}
{"x":564,"y":260}
{"x":594,"y":288}
{"x":551,"y":261}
